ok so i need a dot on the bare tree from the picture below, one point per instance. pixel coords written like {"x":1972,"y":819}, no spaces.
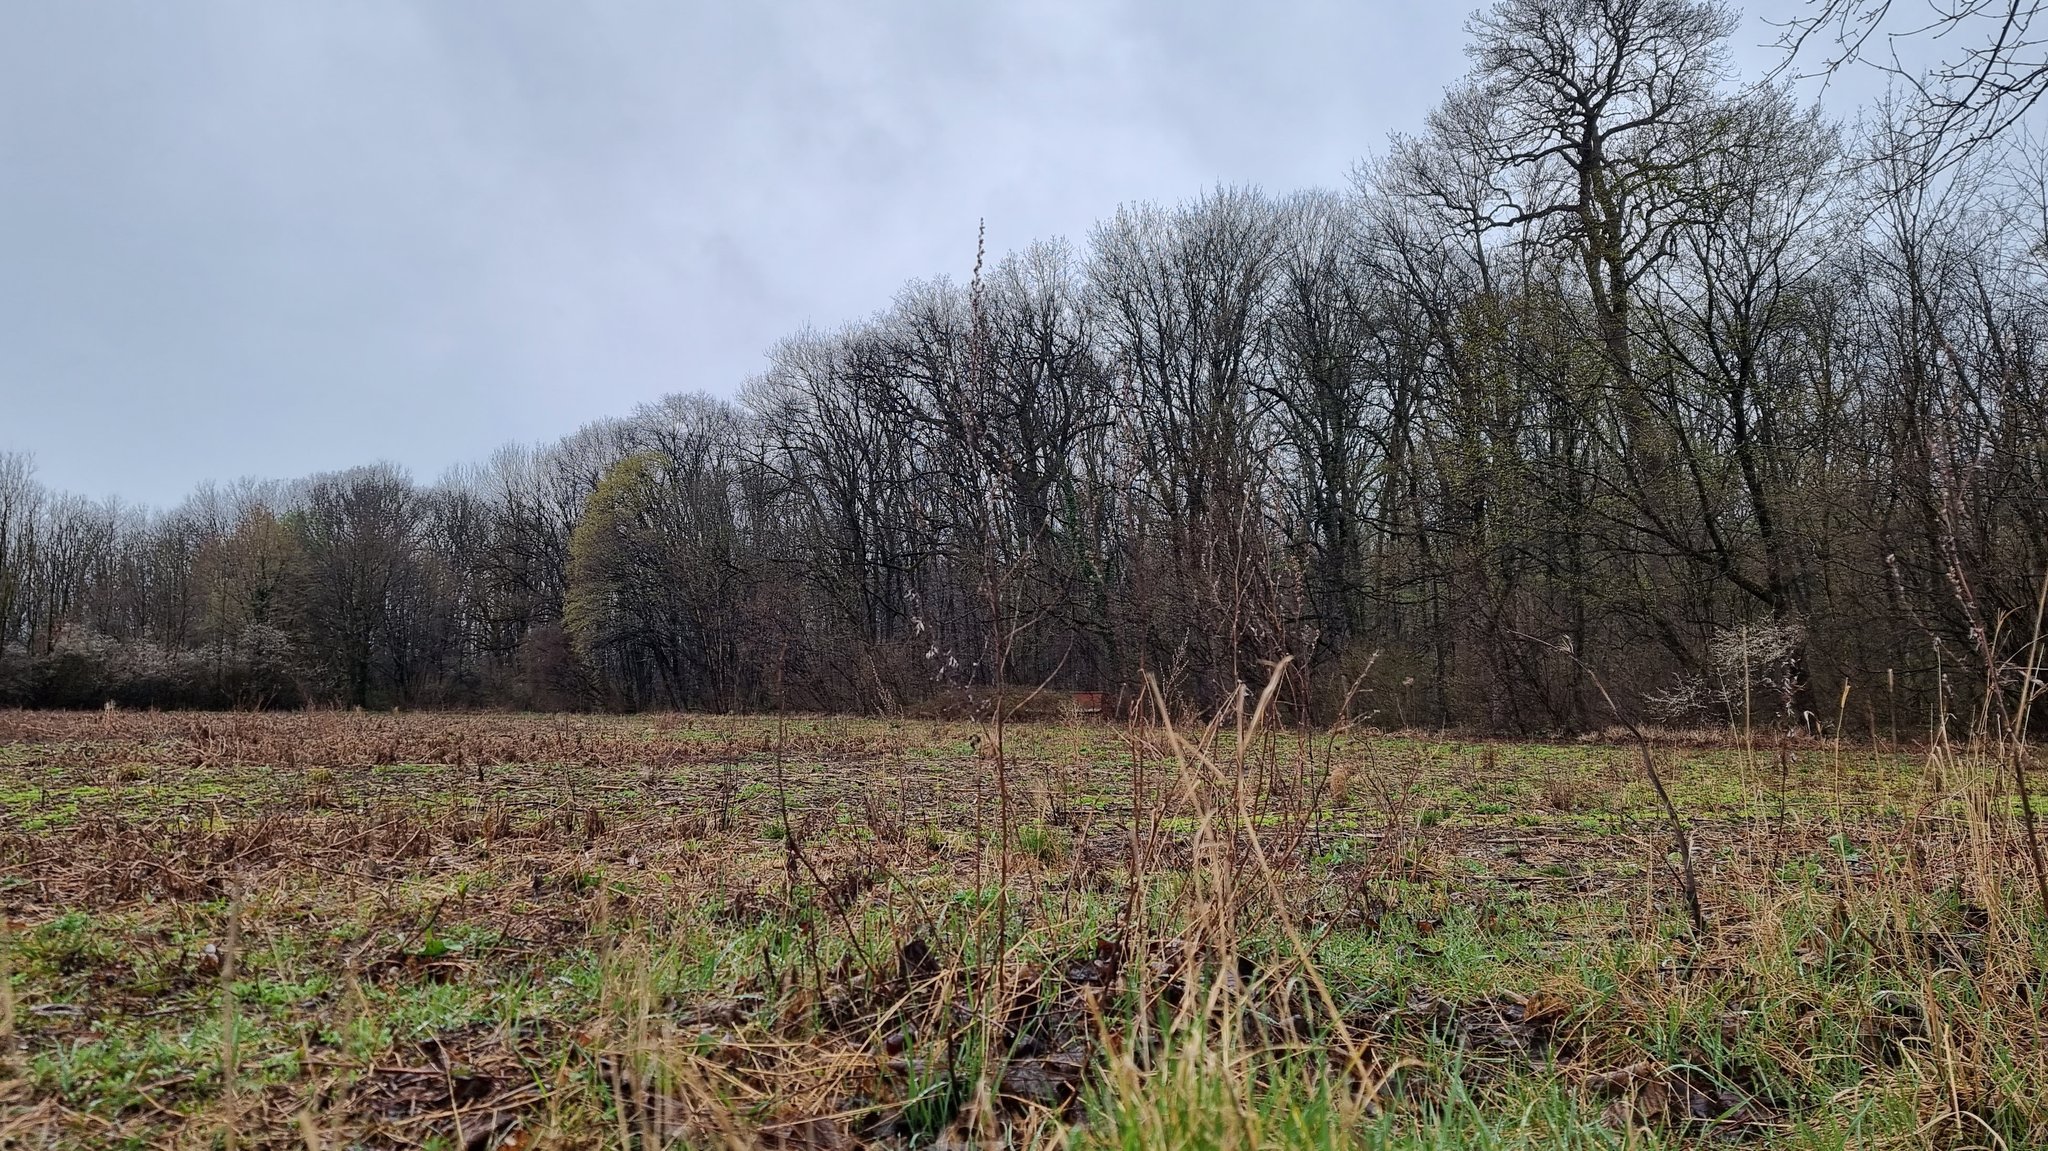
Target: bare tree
{"x":20,"y":509}
{"x":358,"y":541}
{"x":1584,"y":111}
{"x":1183,"y":295}
{"x":1990,"y":71}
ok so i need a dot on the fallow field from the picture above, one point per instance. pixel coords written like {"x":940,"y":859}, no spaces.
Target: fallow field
{"x":334,"y":930}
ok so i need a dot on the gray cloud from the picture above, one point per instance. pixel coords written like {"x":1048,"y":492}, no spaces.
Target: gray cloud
{"x":253,"y":238}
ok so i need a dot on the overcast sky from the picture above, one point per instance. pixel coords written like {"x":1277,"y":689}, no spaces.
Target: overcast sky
{"x":269,"y":239}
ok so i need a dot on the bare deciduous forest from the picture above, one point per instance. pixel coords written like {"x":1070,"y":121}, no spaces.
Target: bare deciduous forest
{"x":1618,"y":352}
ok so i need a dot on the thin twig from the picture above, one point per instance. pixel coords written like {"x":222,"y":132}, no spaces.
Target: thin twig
{"x":1681,"y":841}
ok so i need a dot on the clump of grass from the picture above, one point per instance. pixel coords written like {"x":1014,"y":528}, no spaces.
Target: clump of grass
{"x":1044,"y":843}
{"x":1566,"y":794}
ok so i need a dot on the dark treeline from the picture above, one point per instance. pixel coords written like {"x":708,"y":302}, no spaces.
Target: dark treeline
{"x":1616,"y":355}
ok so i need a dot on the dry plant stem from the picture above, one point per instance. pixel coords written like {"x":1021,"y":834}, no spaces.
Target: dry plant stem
{"x":1357,"y":1052}
{"x":230,"y":1053}
{"x":1681,"y":842}
{"x":782,"y":791}
{"x":793,"y":858}
{"x":6,"y":994}
{"x":2019,"y":750}
{"x":454,"y":1100}
{"x":990,"y":959}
